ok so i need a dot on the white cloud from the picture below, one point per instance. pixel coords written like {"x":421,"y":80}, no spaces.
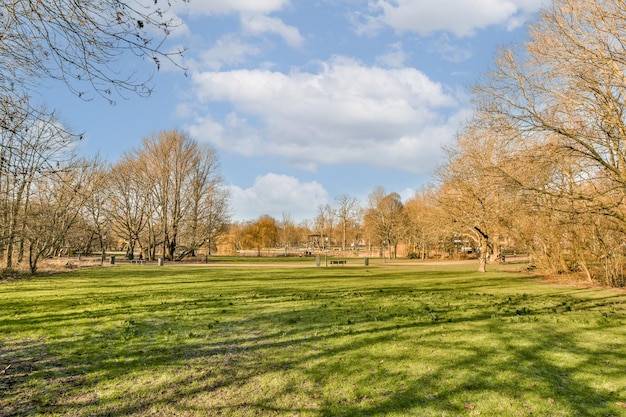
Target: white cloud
{"x":230,"y":50}
{"x":344,"y":113}
{"x":216,"y":7}
{"x":233,"y":49}
{"x":394,"y":57}
{"x":449,"y":51}
{"x":407,"y":194}
{"x":258,"y":25}
{"x":204,"y":126}
{"x":276,"y":194}
{"x":460,"y":17}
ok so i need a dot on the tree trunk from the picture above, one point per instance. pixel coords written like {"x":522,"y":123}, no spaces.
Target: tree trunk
{"x":33,"y":258}
{"x":130,"y":251}
{"x":171,"y":249}
{"x":482,"y":259}
{"x":484,"y":248}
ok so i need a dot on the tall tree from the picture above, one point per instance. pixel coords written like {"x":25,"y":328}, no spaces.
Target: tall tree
{"x":347,"y":211}
{"x":208,"y":209}
{"x":127,"y":204}
{"x":33,"y":145}
{"x":164,"y":162}
{"x":476,"y":197}
{"x":185,"y":199}
{"x":324,"y":222}
{"x":95,"y":214}
{"x":261,"y":234}
{"x":563,"y":98}
{"x":59,"y":201}
{"x":424,"y":225}
{"x":565,"y":93}
{"x":385,"y":218}
{"x":289,"y":235}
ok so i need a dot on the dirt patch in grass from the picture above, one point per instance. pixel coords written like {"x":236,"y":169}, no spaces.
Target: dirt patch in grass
{"x":19,"y":362}
{"x":51,"y":266}
{"x":570,"y":280}
{"x":576,"y":280}
{"x":32,"y":379}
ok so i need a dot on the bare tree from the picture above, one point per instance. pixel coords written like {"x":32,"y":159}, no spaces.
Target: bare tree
{"x":566,"y":92}
{"x":163,"y":161}
{"x":424,"y":225}
{"x":562,"y":97}
{"x":324,"y":223}
{"x":346,"y":212}
{"x":208,"y":208}
{"x":289,"y":235}
{"x":79,"y":43}
{"x":185,"y":199}
{"x":95,"y":215}
{"x":127,"y":204}
{"x":59,"y":201}
{"x":480,"y":201}
{"x":385,"y":218}
{"x":33,"y":145}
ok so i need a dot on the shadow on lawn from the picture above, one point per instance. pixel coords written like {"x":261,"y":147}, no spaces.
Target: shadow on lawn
{"x":342,"y":353}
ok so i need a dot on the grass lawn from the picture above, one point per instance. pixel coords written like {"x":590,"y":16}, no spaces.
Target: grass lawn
{"x":280,"y":341}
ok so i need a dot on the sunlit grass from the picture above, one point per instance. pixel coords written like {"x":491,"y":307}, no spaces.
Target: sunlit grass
{"x":340,"y":341}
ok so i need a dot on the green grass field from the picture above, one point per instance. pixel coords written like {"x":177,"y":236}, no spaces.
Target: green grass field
{"x":281,"y":341}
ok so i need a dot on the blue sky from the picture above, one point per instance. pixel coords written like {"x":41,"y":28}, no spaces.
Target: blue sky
{"x":308,"y":100}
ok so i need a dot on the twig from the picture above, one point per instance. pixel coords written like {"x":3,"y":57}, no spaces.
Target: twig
{"x":5,"y":369}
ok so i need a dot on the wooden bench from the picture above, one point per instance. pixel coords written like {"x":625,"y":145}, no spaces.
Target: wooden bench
{"x":336,"y":262}
{"x":137,"y":261}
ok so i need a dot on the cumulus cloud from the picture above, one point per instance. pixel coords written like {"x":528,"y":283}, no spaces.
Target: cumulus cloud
{"x":255,"y":21}
{"x":460,"y":17}
{"x":217,"y":7}
{"x":275,"y":195}
{"x":450,"y":51}
{"x":344,"y":113}
{"x":228,"y":51}
{"x":258,"y":25}
{"x":407,"y":194}
{"x":394,"y":57}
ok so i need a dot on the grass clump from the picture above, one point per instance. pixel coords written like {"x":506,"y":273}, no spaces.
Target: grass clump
{"x":354,"y":341}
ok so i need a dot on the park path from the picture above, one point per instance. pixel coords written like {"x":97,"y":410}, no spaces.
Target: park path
{"x":322,"y":265}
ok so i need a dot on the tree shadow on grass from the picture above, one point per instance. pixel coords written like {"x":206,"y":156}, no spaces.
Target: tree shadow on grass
{"x":528,"y":382}
{"x":323,"y":353}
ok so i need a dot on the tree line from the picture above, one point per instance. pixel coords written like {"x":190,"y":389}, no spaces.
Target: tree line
{"x":380,"y":225}
{"x":165,"y":197}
